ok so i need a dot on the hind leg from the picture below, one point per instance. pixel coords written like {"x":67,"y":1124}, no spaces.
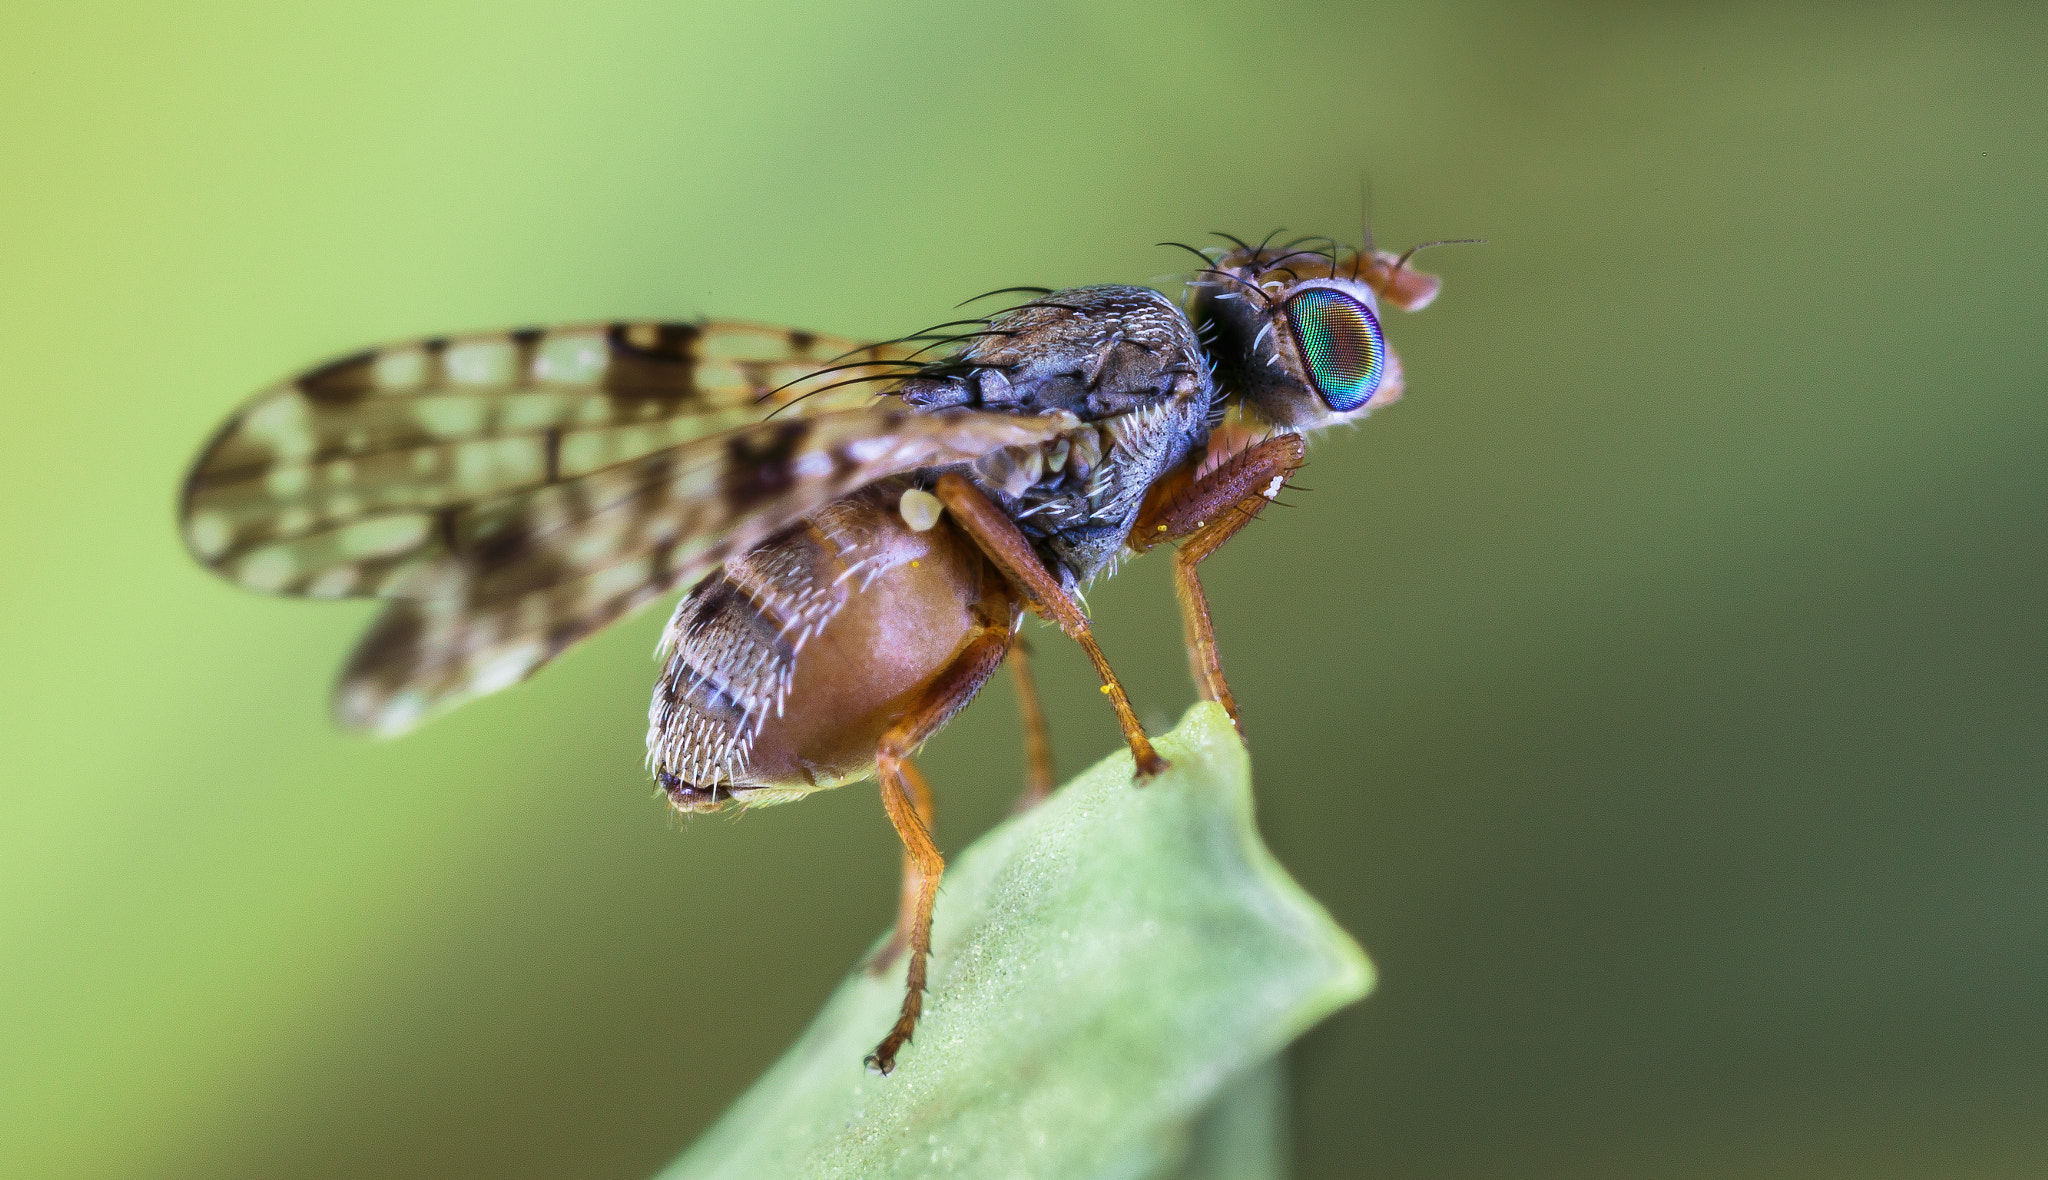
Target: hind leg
{"x":913,"y":873}
{"x":908,"y":803}
{"x":1038,"y":785}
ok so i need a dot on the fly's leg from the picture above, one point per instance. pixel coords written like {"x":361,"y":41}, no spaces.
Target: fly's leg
{"x":909,"y":805}
{"x":1037,"y":739}
{"x":1208,"y":513}
{"x":913,"y":873}
{"x":1000,"y":539}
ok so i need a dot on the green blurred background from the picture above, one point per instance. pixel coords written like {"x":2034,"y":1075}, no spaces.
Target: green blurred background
{"x":1660,"y":692}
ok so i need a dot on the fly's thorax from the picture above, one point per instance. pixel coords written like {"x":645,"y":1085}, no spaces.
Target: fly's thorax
{"x":1295,"y":334}
{"x":1123,"y":360}
{"x":784,"y":668}
{"x":1094,"y":352}
{"x":1077,"y":497}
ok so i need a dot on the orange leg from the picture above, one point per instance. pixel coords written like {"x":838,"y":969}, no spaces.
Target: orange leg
{"x":913,"y":874}
{"x":1037,"y":740}
{"x":908,"y":802}
{"x":1208,"y":513}
{"x":999,"y":538}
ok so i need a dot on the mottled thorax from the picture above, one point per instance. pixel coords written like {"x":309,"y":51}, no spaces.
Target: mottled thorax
{"x":1124,"y":361}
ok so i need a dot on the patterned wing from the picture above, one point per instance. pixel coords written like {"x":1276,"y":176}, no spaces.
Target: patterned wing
{"x":509,"y":583}
{"x":321,"y":485}
{"x":516,"y":492}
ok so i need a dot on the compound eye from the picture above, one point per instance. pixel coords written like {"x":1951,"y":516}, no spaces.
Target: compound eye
{"x":1340,"y":339}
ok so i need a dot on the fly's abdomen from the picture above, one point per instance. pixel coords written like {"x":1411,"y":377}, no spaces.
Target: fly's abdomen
{"x":732,"y":647}
{"x":785,"y":667}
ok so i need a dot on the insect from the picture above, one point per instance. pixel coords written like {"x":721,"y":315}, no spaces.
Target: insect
{"x":862,"y":527}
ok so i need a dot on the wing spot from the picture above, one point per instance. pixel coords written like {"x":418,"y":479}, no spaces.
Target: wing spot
{"x":383,"y":536}
{"x":482,"y":362}
{"x":526,"y":345}
{"x":210,"y":534}
{"x":343,"y":382}
{"x":400,"y":713}
{"x":581,"y":452}
{"x":761,"y":466}
{"x":656,"y":361}
{"x":506,"y":668}
{"x":388,"y":657}
{"x":401,"y":369}
{"x":356,"y":705}
{"x":451,"y":416}
{"x":284,"y":424}
{"x":268,"y":570}
{"x":759,"y":376}
{"x":530,"y":409}
{"x":334,"y":583}
{"x":489,"y":463}
{"x":570,"y":360}
{"x":867,"y":450}
{"x":500,"y":548}
{"x":286,"y":481}
{"x":637,"y":441}
{"x":436,"y":373}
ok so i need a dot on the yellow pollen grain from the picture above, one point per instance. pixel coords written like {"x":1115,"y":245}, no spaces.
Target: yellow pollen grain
{"x":1162,"y":528}
{"x":913,"y":564}
{"x":1105,"y":690}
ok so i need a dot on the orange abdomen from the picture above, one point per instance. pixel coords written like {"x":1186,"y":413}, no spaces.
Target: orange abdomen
{"x":786,"y":667}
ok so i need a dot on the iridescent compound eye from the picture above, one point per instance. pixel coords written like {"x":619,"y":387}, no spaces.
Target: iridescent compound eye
{"x":1340,"y":339}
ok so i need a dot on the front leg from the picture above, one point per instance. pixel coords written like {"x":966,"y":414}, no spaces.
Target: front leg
{"x":1011,"y":552}
{"x":1207,"y":513}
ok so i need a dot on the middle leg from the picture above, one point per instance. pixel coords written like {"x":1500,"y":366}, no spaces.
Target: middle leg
{"x":1038,"y":777}
{"x":1007,"y":547}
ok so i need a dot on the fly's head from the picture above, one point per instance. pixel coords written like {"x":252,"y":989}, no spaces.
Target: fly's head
{"x":1295,"y":334}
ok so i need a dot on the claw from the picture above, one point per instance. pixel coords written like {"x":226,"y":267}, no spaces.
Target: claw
{"x":883,"y":1059}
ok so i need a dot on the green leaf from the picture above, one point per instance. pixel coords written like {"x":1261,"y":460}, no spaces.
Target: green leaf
{"x":1243,"y":1135}
{"x":1104,"y":966}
